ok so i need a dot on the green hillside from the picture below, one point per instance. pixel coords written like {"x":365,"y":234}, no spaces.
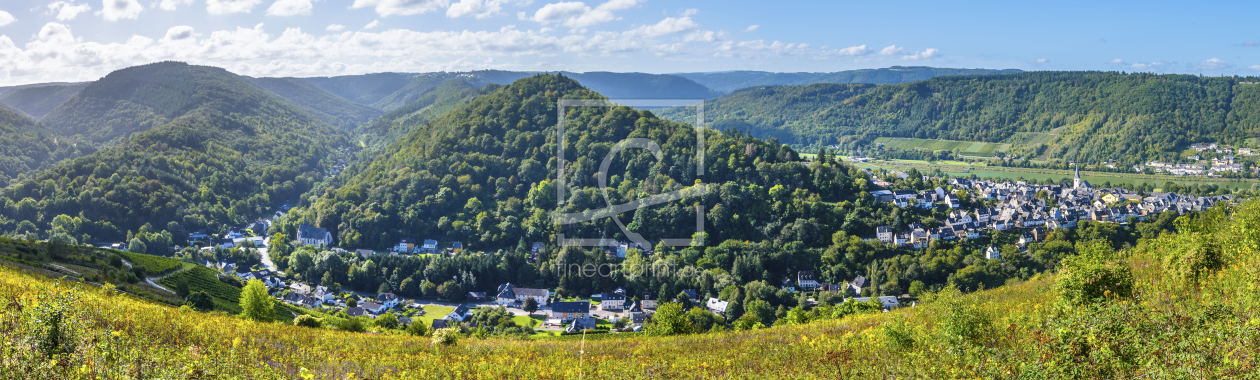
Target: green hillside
{"x":363,"y":89}
{"x":418,"y":86}
{"x":329,"y":108}
{"x":499,"y":150}
{"x":39,"y":101}
{"x":729,"y":81}
{"x":427,"y":106}
{"x":231,"y":153}
{"x":26,"y":146}
{"x":1095,"y":116}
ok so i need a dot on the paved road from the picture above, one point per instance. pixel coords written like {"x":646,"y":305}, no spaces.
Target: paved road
{"x":266,"y":259}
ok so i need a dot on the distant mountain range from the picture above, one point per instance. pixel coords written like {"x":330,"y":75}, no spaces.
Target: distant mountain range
{"x":1091,"y":116}
{"x":728,"y":81}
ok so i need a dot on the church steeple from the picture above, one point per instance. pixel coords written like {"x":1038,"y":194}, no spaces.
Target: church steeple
{"x":1076,"y":181}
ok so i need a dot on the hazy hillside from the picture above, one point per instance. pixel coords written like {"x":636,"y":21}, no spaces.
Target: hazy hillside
{"x":427,"y":106}
{"x":39,"y":101}
{"x":219,"y":150}
{"x":363,"y":89}
{"x":728,"y":81}
{"x":419,"y":85}
{"x":25,"y":146}
{"x":1096,"y":115}
{"x":332,"y":109}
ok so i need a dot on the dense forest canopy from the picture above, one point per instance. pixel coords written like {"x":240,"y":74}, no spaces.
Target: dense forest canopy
{"x":26,"y":146}
{"x":233,"y":152}
{"x":1091,"y":115}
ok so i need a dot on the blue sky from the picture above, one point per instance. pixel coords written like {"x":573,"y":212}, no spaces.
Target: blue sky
{"x":76,"y":40}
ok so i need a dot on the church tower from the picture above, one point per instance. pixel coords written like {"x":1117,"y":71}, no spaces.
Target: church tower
{"x":1076,"y":182}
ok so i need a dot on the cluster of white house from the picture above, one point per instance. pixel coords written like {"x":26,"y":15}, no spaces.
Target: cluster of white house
{"x":1027,"y":208}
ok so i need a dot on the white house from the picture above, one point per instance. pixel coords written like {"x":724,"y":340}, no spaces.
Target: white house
{"x":389,"y":300}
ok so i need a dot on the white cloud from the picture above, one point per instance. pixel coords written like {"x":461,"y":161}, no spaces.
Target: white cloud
{"x":1117,"y":61}
{"x":1254,"y":67}
{"x":577,"y":14}
{"x":752,"y":28}
{"x":6,"y":18}
{"x":926,"y":54}
{"x":114,"y":10}
{"x":66,"y":10}
{"x":290,"y":8}
{"x":1038,"y":60}
{"x":372,"y":25}
{"x":667,"y":26}
{"x":386,"y":8}
{"x":171,"y":5}
{"x":335,"y":27}
{"x":1212,"y":64}
{"x":55,"y":54}
{"x":892,"y":50}
{"x":223,"y":7}
{"x":179,"y":33}
{"x":479,"y":8}
{"x":1250,"y":43}
{"x":854,"y":50}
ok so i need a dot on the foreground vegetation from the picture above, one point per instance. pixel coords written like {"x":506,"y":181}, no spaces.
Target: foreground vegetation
{"x":1183,"y":305}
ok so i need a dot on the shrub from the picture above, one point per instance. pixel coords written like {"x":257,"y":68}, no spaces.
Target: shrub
{"x":898,"y":334}
{"x":306,"y":321}
{"x":417,"y":328}
{"x":1192,"y":264}
{"x":1094,"y":274}
{"x":961,"y":321}
{"x":446,"y":337}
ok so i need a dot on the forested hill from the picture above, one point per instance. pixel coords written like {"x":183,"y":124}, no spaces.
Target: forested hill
{"x":27,"y":146}
{"x":1091,"y":115}
{"x":229,"y":153}
{"x":143,"y":97}
{"x":480,"y":175}
{"x":729,"y":81}
{"x":332,"y":109}
{"x":422,"y":109}
{"x":40,"y":100}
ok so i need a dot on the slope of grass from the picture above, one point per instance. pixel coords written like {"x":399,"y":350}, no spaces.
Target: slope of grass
{"x":1192,"y":313}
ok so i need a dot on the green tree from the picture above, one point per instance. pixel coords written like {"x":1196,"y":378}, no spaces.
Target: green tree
{"x":255,"y":303}
{"x":669,"y":320}
{"x":1094,"y":274}
{"x":762,"y":310}
{"x":387,"y":321}
{"x":428,"y":289}
{"x":418,"y":328}
{"x":531,"y":305}
{"x":451,"y":291}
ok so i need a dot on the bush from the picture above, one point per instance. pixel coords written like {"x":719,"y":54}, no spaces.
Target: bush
{"x":961,"y":321}
{"x":417,"y":328}
{"x":1093,"y":275}
{"x":446,"y":337}
{"x":898,"y":334}
{"x":307,"y":321}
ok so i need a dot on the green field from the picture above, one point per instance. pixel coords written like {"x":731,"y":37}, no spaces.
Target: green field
{"x":968,"y":148}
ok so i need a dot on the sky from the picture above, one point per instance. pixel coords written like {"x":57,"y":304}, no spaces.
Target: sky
{"x":83,"y":40}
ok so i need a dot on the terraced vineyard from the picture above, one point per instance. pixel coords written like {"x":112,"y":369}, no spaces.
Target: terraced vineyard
{"x":153,"y":265}
{"x":968,"y":148}
{"x":200,"y":278}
